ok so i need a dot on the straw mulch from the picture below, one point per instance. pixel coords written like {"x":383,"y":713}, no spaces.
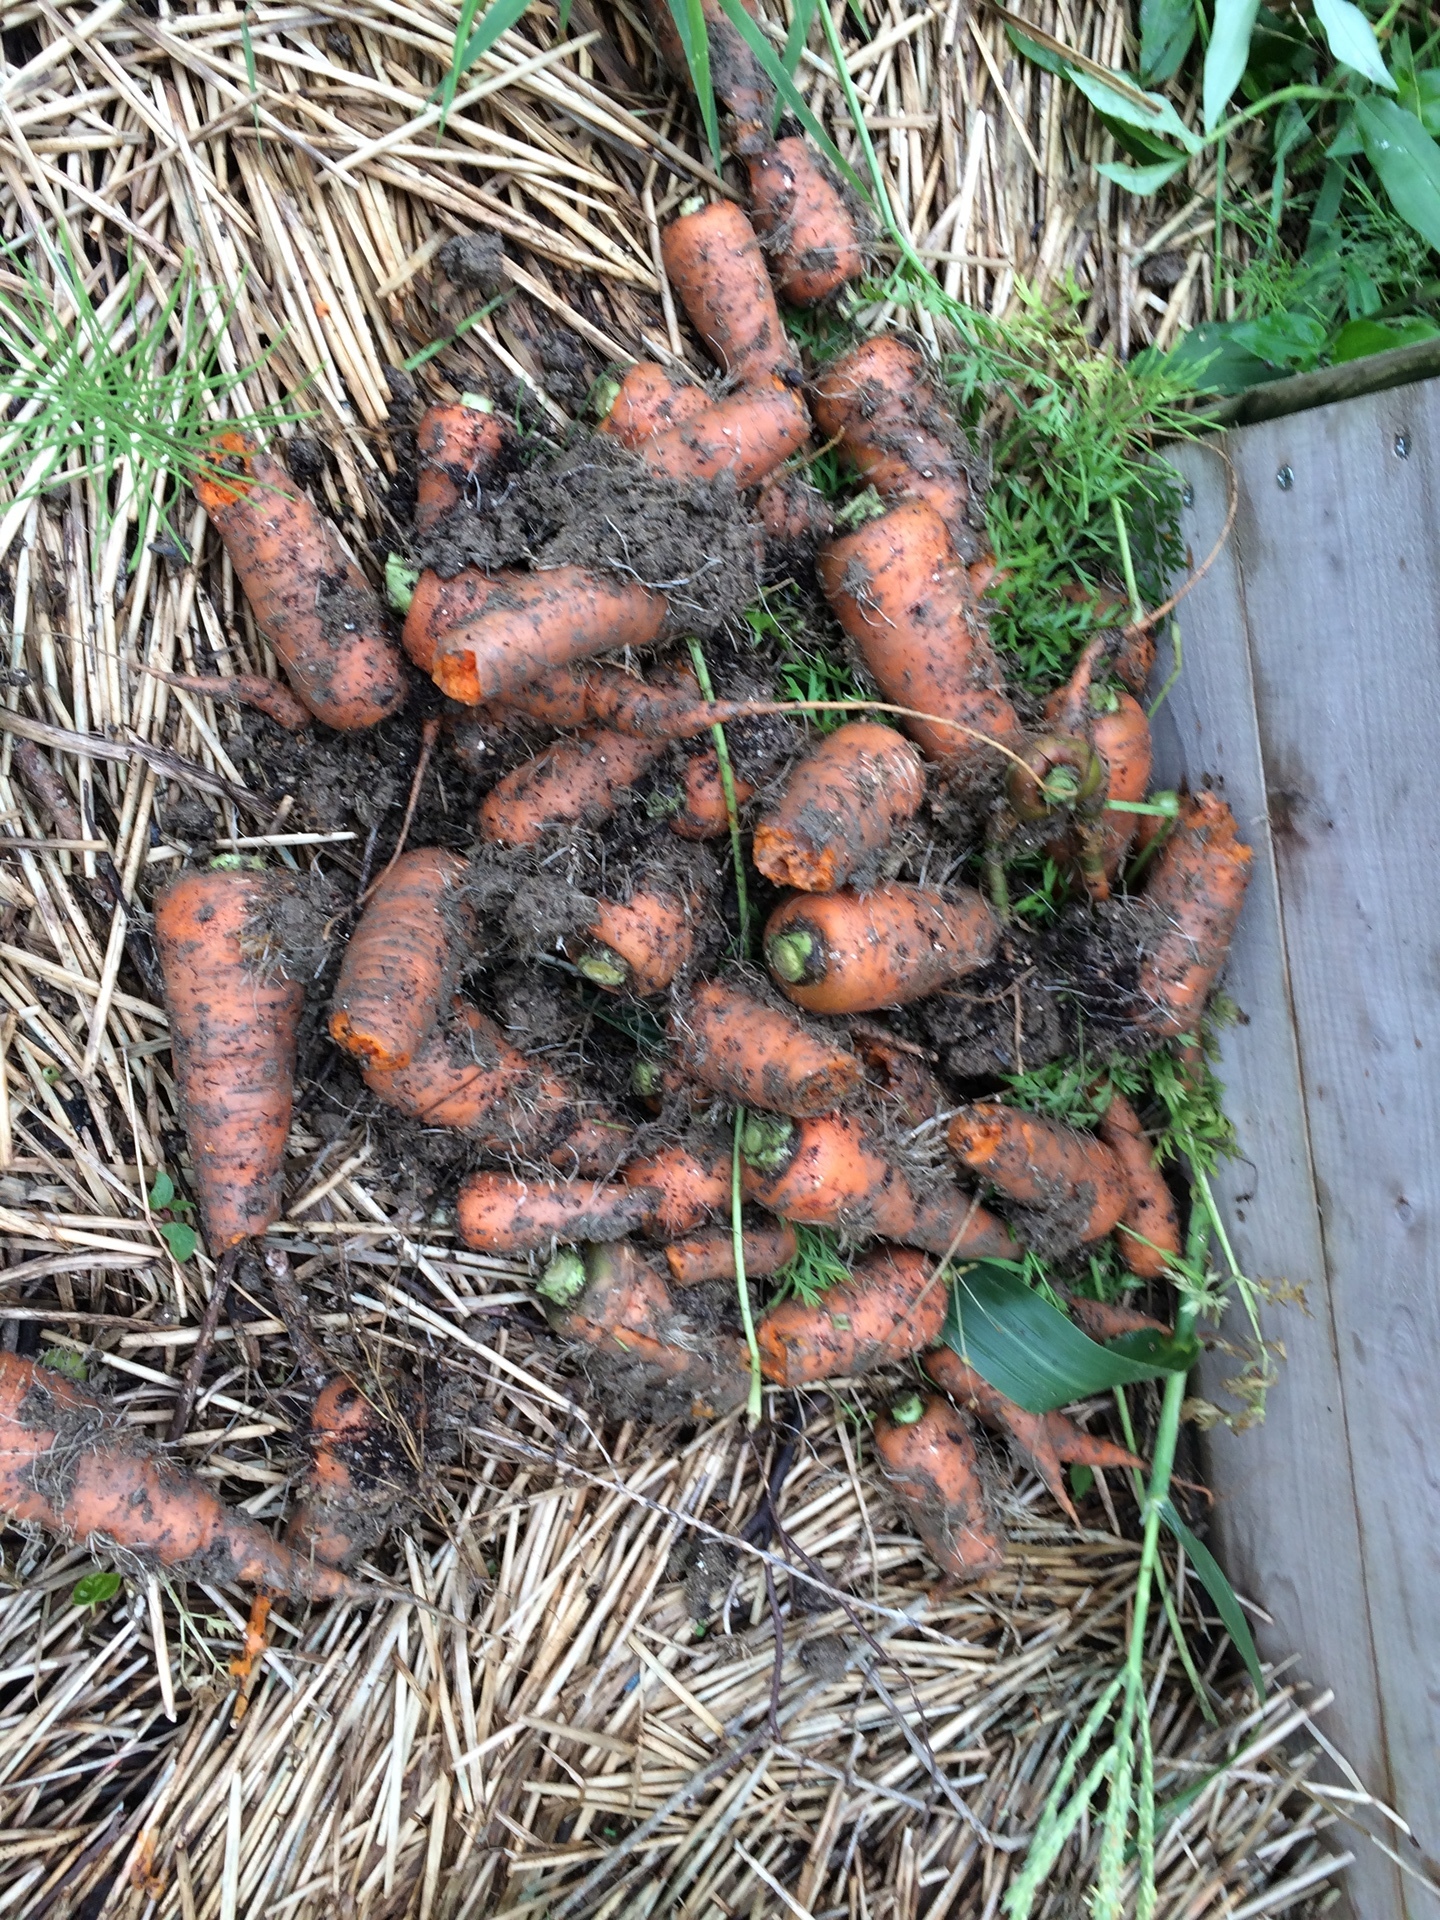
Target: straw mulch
{"x":555,"y":1733}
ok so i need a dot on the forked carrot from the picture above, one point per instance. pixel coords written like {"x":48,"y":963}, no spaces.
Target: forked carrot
{"x":743,"y":437}
{"x":927,"y":1453}
{"x":356,"y":1476}
{"x":1042,"y":1164}
{"x":841,"y":808}
{"x":1148,"y":1236}
{"x":849,"y":952}
{"x":905,"y":1085}
{"x":402,"y":959}
{"x":459,"y":446}
{"x":739,"y":1045}
{"x":1196,"y":890}
{"x":892,"y":428}
{"x":893,"y":1305}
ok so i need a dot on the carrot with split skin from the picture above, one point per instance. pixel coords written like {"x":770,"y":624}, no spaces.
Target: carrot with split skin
{"x":738,"y":1045}
{"x":690,"y":1180}
{"x":703,"y":813}
{"x":638,"y":945}
{"x":309,"y":598}
{"x":928,"y":1455}
{"x":814,"y":248}
{"x":573,"y":782}
{"x":1148,"y":1234}
{"x":459,"y":446}
{"x":848,"y":952}
{"x":892,"y":1305}
{"x":501,"y":1213}
{"x":1196,"y":889}
{"x":892,"y":427}
{"x":841,"y":808}
{"x":715,"y":263}
{"x":650,"y":400}
{"x":1041,"y":1163}
{"x":234,"y":1022}
{"x":744,"y":437}
{"x":401,"y":960}
{"x":492,"y":632}
{"x":711,"y":1256}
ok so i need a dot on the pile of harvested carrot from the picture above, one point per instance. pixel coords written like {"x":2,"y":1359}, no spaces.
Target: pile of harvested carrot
{"x":780,"y":1072}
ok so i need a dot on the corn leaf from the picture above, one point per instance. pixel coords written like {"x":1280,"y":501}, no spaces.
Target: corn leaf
{"x":1212,"y":1577}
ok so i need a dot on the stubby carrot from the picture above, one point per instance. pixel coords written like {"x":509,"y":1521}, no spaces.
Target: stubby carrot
{"x":703,"y":814}
{"x":402,"y":959}
{"x":739,"y":1045}
{"x":234,"y":1020}
{"x":855,"y":952}
{"x":439,"y":606}
{"x":840,"y":809}
{"x":1047,"y":1440}
{"x":902,"y":595}
{"x":928,"y":1455}
{"x":1148,"y":1236}
{"x":460,"y":446}
{"x":70,"y":1464}
{"x":638,"y":945}
{"x":574,"y":781}
{"x":356,"y":1477}
{"x":801,"y":212}
{"x":1196,"y":891}
{"x":649,"y":400}
{"x":690,"y":1180}
{"x":892,"y":1305}
{"x":711,"y":1256}
{"x":906,"y":1086}
{"x":501,"y":1213}
{"x":1042,"y":1164}
{"x":892,"y":427}
{"x":309,"y":598}
{"x":715,"y":263}
{"x":743,"y":437}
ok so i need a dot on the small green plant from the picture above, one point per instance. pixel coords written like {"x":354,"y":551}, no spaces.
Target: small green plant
{"x":176,"y":1231}
{"x":95,"y":1589}
{"x":65,"y":1360}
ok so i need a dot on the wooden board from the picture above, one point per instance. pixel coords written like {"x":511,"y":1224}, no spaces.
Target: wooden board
{"x":1311,"y":699}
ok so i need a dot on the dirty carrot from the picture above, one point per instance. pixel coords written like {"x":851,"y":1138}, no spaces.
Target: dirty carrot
{"x":439,"y":606}
{"x":760,"y":1055}
{"x":402,"y":959}
{"x":1148,"y":1236}
{"x":840,"y":809}
{"x":711,"y":1256}
{"x":900,"y":592}
{"x":908,"y":1089}
{"x":745,"y":436}
{"x":649,"y":400}
{"x":892,"y":1305}
{"x":892,"y":427}
{"x":639,"y":944}
{"x":1107,"y":1320}
{"x":269,"y":697}
{"x":1196,"y":890}
{"x":459,"y":447}
{"x":501,"y":1213}
{"x":715,"y":263}
{"x":814,"y":248}
{"x":703,"y":814}
{"x":928,"y":1455}
{"x":690,"y":1180}
{"x":1116,"y":726}
{"x":854,"y":952}
{"x":667,"y":706}
{"x":735,"y":74}
{"x":793,"y":514}
{"x":356,"y":1476}
{"x":572,"y":782}
{"x":1042,"y":1163}
{"x":234,"y":1018}
{"x":309,"y":598}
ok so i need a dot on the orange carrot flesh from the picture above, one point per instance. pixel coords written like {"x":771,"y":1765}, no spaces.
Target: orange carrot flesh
{"x":703,"y":815}
{"x":500,"y":1213}
{"x":711,"y":1256}
{"x":933,"y":1469}
{"x":803,"y":215}
{"x":715,"y":263}
{"x":690,"y":1182}
{"x":527,"y":623}
{"x":1148,"y":1236}
{"x":115,"y":1492}
{"x":233,"y":1027}
{"x":458,"y":447}
{"x":1197,"y":888}
{"x":892,"y":1305}
{"x":737,"y":1045}
{"x":841,"y":808}
{"x":649,"y":400}
{"x":745,"y":436}
{"x":401,"y":959}
{"x":899,"y":591}
{"x":639,"y":944}
{"x":891,"y":427}
{"x":309,"y":598}
{"x":849,"y":952}
{"x":440,"y":607}
{"x":572,"y":782}
{"x":1042,"y":1163}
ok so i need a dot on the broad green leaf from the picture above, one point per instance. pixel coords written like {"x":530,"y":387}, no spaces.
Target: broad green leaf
{"x":1226,"y":55}
{"x":181,"y":1240}
{"x":1211,"y":1576}
{"x":790,"y":94}
{"x":1032,"y":50}
{"x":95,"y":1589}
{"x":1030,"y":1352}
{"x":1139,"y":143}
{"x":1420,"y":93}
{"x":1082,"y":1479}
{"x":65,"y":1360}
{"x":163,"y":1191}
{"x":1406,"y":159}
{"x":1352,"y":40}
{"x":1142,"y":180}
{"x":1155,"y":116}
{"x":1216,"y":361}
{"x":1167,"y":28}
{"x":1359,"y":338}
{"x":689,"y":18}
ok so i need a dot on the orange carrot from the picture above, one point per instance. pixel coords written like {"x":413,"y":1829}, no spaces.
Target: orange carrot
{"x":703,"y":815}
{"x":927,"y":1453}
{"x":459,"y":446}
{"x":356,"y":1478}
{"x":665,"y":707}
{"x":524,"y":623}
{"x":735,"y":74}
{"x":1107,"y":1320}
{"x":234,"y":1019}
{"x":639,"y":944}
{"x":841,"y":807}
{"x":499,"y":1213}
{"x":1148,"y":1236}
{"x":794,"y":514}
{"x":893,"y":1305}
{"x":1042,"y":1163}
{"x":443,"y":606}
{"x":852,"y":952}
{"x":1196,"y":890}
{"x":309,"y":598}
{"x":402,"y":958}
{"x":1116,"y":726}
{"x":892,"y":427}
{"x":649,"y":400}
{"x":745,"y":436}
{"x":1130,"y":650}
{"x":755,"y":1053}
{"x":901,"y":594}
{"x":715,"y":263}
{"x":691,"y":1180}
{"x":1046,"y":1440}
{"x":803,"y":216}
{"x":908,"y":1089}
{"x":269,"y":697}
{"x":711,"y":1256}
{"x":70,"y":1464}
{"x":572,"y":782}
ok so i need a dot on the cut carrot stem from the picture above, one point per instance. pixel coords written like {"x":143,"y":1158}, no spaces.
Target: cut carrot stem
{"x":459,"y":447}
{"x":650,"y":400}
{"x":1042,"y":1163}
{"x":841,"y":808}
{"x":930,"y":1460}
{"x":500,"y":1213}
{"x":893,"y":1305}
{"x":801,"y":212}
{"x":715,"y":263}
{"x":1196,"y":890}
{"x":521,"y":624}
{"x":711,"y":1256}
{"x":1148,"y":1236}
{"x":690,"y":1181}
{"x":402,"y":959}
{"x":575,"y":782}
{"x":892,"y":428}
{"x":847,"y":952}
{"x":639,"y":944}
{"x":763,"y":1057}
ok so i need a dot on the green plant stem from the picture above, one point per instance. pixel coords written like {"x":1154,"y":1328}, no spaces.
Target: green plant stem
{"x":1127,"y":562}
{"x":1219,"y":267}
{"x":1177,"y":648}
{"x":727,"y":787}
{"x":754,"y":1406}
{"x":1254,"y":112}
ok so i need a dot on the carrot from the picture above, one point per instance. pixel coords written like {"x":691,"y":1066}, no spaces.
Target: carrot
{"x":928,"y":1455}
{"x":901,"y":594}
{"x":443,"y":606}
{"x":909,"y":1090}
{"x":70,"y":1464}
{"x":665,"y":707}
{"x":893,"y":1305}
{"x":738,"y":1045}
{"x":841,"y":807}
{"x":459,"y":446}
{"x":1148,"y":1236}
{"x":691,"y":1180}
{"x":1130,"y":650}
{"x":1117,"y":728}
{"x":892,"y":427}
{"x":744,"y":437}
{"x":269,"y":697}
{"x":852,"y":952}
{"x":572,"y":782}
{"x":794,"y":514}
{"x":1196,"y":891}
{"x":309,"y":598}
{"x":801,"y":212}
{"x":500,"y":1213}
{"x":1107,"y":1320}
{"x":1042,"y":1163}
{"x":639,"y":944}
{"x":1046,"y":1440}
{"x":520,"y":624}
{"x":711,"y":1256}
{"x":714,"y":262}
{"x":647,"y":401}
{"x":356,"y":1477}
{"x":402,"y":958}
{"x":735,"y":74}
{"x":703,"y":814}
{"x":234,"y":1019}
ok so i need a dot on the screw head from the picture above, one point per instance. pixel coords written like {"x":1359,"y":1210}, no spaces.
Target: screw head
{"x":1402,"y":446}
{"x":1285,"y":479}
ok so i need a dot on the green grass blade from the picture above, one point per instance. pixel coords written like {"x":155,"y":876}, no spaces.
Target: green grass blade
{"x":689,"y":18}
{"x":799,"y":33}
{"x":1212,"y":1577}
{"x":791,"y":96}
